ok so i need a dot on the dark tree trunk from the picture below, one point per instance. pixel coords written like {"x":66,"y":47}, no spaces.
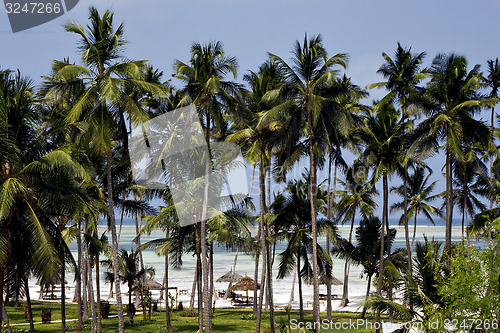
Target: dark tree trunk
{"x":63,"y":291}
{"x":262,"y":204}
{"x":199,"y":285}
{"x":314,"y":214}
{"x":167,"y":312}
{"x":301,"y":298}
{"x":362,"y":316}
{"x":28,"y":302}
{"x":98,"y":294}
{"x":381,"y":265}
{"x":78,"y":277}
{"x":345,"y":293}
{"x":111,"y":206}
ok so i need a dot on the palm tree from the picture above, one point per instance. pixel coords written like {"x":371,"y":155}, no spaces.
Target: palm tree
{"x":130,"y":273}
{"x":466,"y":190}
{"x":293,"y":222}
{"x":383,"y":137}
{"x":213,"y":96}
{"x":367,"y":249}
{"x":358,"y":195}
{"x":306,"y":86}
{"x":104,"y":101}
{"x":403,"y":76}
{"x":258,"y":138}
{"x":451,"y":101}
{"x":419,"y":194}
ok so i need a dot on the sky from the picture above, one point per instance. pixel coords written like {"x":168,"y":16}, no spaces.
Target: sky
{"x":162,"y":31}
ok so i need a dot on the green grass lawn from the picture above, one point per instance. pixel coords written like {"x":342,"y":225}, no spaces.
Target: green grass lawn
{"x":225,"y":320}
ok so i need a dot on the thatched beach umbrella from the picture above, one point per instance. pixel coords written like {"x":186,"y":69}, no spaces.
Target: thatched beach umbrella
{"x":230,"y":277}
{"x":245,"y":284}
{"x":151,"y":284}
{"x":336,"y":282}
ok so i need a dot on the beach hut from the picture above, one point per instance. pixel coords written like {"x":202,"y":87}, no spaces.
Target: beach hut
{"x":245,"y":284}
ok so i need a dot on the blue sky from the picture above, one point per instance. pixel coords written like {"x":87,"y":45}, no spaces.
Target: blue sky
{"x":162,"y":31}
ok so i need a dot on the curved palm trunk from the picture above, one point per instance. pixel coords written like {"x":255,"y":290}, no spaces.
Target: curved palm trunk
{"x":193,"y":289}
{"x":262,"y":204}
{"x":114,"y":239}
{"x":414,"y":227}
{"x":362,"y":316}
{"x":28,"y":301}
{"x":314,"y":214}
{"x":345,"y":294}
{"x":228,"y":290}
{"x":1,"y":295}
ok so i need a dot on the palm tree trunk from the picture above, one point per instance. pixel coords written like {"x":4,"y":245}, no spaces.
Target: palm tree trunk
{"x":492,"y":138}
{"x":167,"y":312}
{"x":98,"y":293}
{"x":386,"y":214}
{"x":301,"y":298}
{"x":362,"y":316}
{"x":211,"y":270}
{"x":381,"y":263}
{"x":262,"y":204}
{"x":1,"y":295}
{"x":85,"y":279}
{"x":203,"y":232}
{"x":314,"y":214}
{"x":345,"y":294}
{"x":28,"y":301}
{"x":114,"y":239}
{"x":199,"y":284}
{"x":63,"y":291}
{"x":269,"y":273}
{"x":78,"y":276}
{"x":405,"y":212}
{"x":330,"y":200}
{"x":414,"y":227}
{"x":449,"y":204}
{"x":256,"y":277}
{"x":228,"y":291}
{"x":193,"y":289}
{"x":91,"y":296}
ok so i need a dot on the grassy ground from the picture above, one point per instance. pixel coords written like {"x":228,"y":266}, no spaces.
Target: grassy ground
{"x":225,"y":320}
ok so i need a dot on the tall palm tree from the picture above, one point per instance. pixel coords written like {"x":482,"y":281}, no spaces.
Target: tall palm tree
{"x":104,"y":101}
{"x":450,"y":103}
{"x":357,"y":195}
{"x":403,"y":74}
{"x":383,"y":138}
{"x":292,"y":212}
{"x":258,"y":138}
{"x":419,"y":194}
{"x":306,"y":86}
{"x":212,"y":95}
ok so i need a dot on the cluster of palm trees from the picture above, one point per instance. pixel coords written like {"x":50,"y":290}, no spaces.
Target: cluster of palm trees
{"x":65,"y":164}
